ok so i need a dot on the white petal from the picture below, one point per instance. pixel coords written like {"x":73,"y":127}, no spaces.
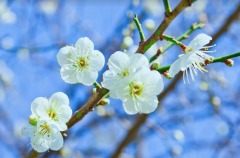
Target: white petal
{"x":40,"y":144}
{"x":149,"y":105}
{"x":61,"y":125}
{"x":69,"y":75}
{"x":199,"y":41}
{"x":109,"y":79}
{"x":42,"y":112}
{"x":84,"y":44}
{"x":155,"y":83}
{"x":187,"y":60}
{"x":96,"y":61}
{"x":64,"y":55}
{"x":86,"y":77}
{"x":60,"y":98}
{"x":64,"y":113}
{"x":175,"y":67}
{"x":118,"y":61}
{"x":129,"y":106}
{"x":40,"y":101}
{"x":138,"y":61}
{"x":28,"y":130}
{"x":57,"y":141}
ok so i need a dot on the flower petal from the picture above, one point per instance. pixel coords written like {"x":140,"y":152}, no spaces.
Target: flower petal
{"x":40,"y":101}
{"x":138,"y":61}
{"x":199,"y":41}
{"x":64,"y":55}
{"x":39,"y":143}
{"x":154,"y":83}
{"x":84,"y":44}
{"x":57,"y":142}
{"x":86,"y":77}
{"x":118,"y":61}
{"x":149,"y":105}
{"x":64,"y":113}
{"x":96,"y":61}
{"x":175,"y":67}
{"x":60,"y":98}
{"x":68,"y":74}
{"x":129,"y":106}
{"x":187,"y":60}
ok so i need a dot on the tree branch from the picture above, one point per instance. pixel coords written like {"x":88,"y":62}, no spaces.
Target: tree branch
{"x":180,"y":38}
{"x":139,"y":27}
{"x":220,"y":59}
{"x":142,"y":119}
{"x":144,"y":46}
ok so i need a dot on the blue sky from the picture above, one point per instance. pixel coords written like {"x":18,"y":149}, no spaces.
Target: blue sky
{"x":188,"y":124}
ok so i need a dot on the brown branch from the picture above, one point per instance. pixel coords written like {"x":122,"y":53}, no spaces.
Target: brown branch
{"x":87,"y":107}
{"x":144,"y":46}
{"x":91,"y":103}
{"x":142,"y":119}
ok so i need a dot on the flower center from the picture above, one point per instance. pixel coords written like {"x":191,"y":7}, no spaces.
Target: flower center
{"x":52,"y":114}
{"x":82,"y":62}
{"x":136,"y":89}
{"x":124,"y":73}
{"x":44,"y":128}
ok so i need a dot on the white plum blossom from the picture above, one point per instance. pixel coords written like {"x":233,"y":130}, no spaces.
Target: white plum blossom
{"x":80,"y":64}
{"x":194,"y":59}
{"x":139,"y":92}
{"x":56,"y":109}
{"x":121,"y":67}
{"x":44,"y":136}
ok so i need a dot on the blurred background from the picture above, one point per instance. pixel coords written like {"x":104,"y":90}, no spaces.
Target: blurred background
{"x":195,"y":120}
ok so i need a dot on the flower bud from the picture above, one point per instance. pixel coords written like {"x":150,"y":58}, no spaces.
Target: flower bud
{"x":229,"y":62}
{"x":159,"y":51}
{"x":104,"y":101}
{"x":154,"y":66}
{"x":33,"y":120}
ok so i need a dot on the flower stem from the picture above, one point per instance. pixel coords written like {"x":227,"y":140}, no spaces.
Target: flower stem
{"x":180,"y":38}
{"x":144,"y":46}
{"x":139,"y":27}
{"x":174,"y":40}
{"x":167,"y":7}
{"x":220,"y":59}
{"x":88,"y":106}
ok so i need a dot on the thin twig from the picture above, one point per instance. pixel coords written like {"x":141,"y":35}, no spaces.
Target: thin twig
{"x":139,"y":27}
{"x":180,"y":38}
{"x":167,"y":7}
{"x":142,"y":119}
{"x":144,"y":46}
{"x":220,"y":59}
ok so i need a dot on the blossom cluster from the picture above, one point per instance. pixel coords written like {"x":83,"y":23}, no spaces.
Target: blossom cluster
{"x":48,"y":119}
{"x":129,"y":79}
